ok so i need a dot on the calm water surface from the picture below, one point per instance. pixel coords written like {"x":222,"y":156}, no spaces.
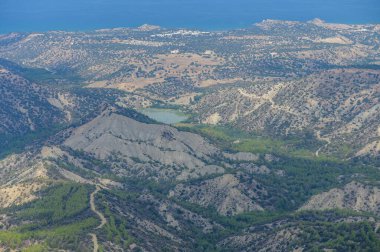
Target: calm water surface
{"x":43,"y":15}
{"x":168,"y":116}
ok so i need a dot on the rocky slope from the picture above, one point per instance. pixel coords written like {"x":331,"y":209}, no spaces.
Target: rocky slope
{"x":288,"y":235}
{"x":225,"y":193}
{"x":154,"y":150}
{"x":339,"y":105}
{"x":145,"y":149}
{"x":25,"y":106}
{"x":354,"y":196}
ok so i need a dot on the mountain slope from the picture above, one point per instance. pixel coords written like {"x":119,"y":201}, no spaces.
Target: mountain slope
{"x":354,"y":196}
{"x":145,"y":148}
{"x":339,"y":105}
{"x":133,"y":179}
{"x":25,"y":106}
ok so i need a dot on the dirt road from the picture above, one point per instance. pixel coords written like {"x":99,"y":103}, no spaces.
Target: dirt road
{"x":103,"y":220}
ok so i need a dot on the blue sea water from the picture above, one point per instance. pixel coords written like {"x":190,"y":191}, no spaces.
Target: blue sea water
{"x":43,"y":15}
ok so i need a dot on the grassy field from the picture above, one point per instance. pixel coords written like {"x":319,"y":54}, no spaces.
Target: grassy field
{"x":236,"y":140}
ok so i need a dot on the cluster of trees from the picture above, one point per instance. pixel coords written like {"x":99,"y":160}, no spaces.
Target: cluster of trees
{"x":358,"y":236}
{"x":57,"y":203}
{"x":60,"y":219}
{"x":116,"y":230}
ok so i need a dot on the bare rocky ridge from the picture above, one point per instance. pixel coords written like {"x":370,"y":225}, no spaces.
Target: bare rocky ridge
{"x":146,"y":146}
{"x":152,"y":150}
{"x":354,"y":196}
{"x":277,"y":240}
{"x":225,"y":193}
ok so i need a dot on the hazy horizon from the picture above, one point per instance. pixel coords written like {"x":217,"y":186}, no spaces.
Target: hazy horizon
{"x":44,"y":15}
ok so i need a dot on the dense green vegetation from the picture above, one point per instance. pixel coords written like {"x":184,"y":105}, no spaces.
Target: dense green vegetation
{"x":306,"y":177}
{"x":115,"y":229}
{"x":236,"y":140}
{"x":236,"y":223}
{"x":60,"y":217}
{"x":356,"y":236}
{"x":57,"y":203}
{"x":15,"y":144}
{"x":43,"y":76}
{"x":64,"y":236}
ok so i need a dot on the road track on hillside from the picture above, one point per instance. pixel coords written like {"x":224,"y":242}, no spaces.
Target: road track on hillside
{"x":320,"y":138}
{"x":95,"y":242}
{"x":103,"y":220}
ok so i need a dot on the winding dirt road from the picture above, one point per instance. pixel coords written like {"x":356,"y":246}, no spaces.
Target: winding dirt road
{"x":326,"y":139}
{"x":103,"y":220}
{"x":95,"y":242}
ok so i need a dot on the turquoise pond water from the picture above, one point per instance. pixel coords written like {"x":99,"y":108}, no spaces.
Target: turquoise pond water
{"x":43,"y":15}
{"x":168,"y":116}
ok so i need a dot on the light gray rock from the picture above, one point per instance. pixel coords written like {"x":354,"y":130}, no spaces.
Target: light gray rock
{"x":355,"y":196}
{"x":184,"y":155}
{"x":225,"y":193}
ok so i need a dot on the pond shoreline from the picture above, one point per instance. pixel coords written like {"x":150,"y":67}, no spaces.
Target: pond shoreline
{"x":164,"y":115}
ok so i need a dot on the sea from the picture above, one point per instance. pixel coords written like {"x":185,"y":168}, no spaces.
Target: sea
{"x":83,"y":15}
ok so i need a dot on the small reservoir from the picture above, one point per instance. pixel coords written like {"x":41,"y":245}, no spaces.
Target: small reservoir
{"x":167,"y":116}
